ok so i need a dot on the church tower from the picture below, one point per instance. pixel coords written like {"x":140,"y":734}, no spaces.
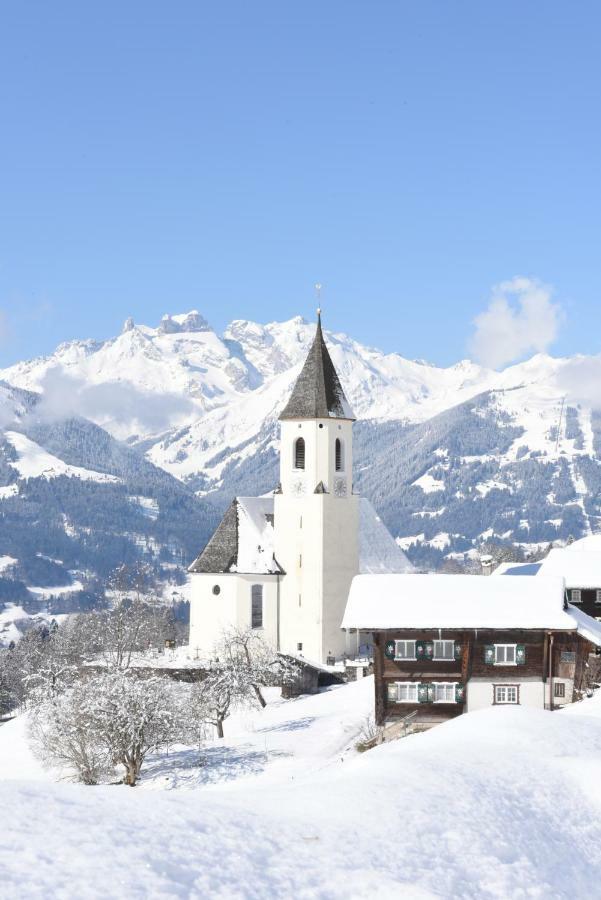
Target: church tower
{"x":316,"y":523}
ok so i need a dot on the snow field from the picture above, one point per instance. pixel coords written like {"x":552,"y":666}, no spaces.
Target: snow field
{"x":496,"y":804}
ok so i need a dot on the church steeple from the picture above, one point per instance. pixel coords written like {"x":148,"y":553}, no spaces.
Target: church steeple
{"x":318,"y":393}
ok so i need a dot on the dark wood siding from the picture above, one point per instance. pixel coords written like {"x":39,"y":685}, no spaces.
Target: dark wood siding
{"x":421,"y":671}
{"x":588,"y":603}
{"x":533,"y":641}
{"x":470,"y":663}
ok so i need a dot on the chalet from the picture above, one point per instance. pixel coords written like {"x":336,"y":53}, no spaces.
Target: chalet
{"x":448,"y":644}
{"x":579,"y":564}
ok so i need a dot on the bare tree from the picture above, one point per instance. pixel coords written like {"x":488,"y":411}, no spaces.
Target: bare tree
{"x":63,"y":734}
{"x":223,"y":688}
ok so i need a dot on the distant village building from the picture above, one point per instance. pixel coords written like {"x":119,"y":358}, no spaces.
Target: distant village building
{"x":579,"y":564}
{"x":284,"y":563}
{"x":448,"y":644}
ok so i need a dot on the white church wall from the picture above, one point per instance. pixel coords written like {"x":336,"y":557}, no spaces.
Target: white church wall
{"x":341,"y":564}
{"x":211,"y":614}
{"x":244,"y":584}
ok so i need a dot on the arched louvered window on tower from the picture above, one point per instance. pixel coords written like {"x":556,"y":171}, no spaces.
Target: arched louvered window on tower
{"x":339,"y":453}
{"x":299,"y":453}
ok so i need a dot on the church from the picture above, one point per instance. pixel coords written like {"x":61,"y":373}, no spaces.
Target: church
{"x":284,"y":562}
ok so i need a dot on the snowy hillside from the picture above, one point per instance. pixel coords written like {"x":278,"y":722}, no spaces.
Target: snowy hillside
{"x":495,"y":804}
{"x":449,"y":456}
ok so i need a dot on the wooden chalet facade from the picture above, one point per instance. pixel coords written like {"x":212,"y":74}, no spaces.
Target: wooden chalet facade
{"x":474,"y":658}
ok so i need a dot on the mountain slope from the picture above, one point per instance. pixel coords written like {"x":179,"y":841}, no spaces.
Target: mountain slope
{"x":449,"y":456}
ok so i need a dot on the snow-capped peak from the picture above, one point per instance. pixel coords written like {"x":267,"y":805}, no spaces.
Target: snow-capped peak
{"x":190,"y":321}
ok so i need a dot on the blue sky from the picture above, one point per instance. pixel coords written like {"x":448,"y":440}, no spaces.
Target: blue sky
{"x":161,"y":156}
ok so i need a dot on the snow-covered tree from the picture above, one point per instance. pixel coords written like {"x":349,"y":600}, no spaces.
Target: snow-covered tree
{"x":105,"y":720}
{"x":134,"y":716}
{"x":224,"y":688}
{"x":63,"y":733}
{"x":244,"y":664}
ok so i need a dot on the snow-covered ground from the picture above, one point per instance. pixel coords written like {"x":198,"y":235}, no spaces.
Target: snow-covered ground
{"x":500,"y":803}
{"x":35,"y":462}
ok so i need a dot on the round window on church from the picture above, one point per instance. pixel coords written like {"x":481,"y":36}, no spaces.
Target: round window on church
{"x":216,"y":589}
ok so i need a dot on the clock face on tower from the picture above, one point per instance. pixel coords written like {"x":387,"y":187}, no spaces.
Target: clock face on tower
{"x":340,"y":487}
{"x":298,"y":487}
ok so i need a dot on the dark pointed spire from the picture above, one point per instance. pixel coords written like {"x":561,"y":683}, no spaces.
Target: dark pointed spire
{"x":318,"y":393}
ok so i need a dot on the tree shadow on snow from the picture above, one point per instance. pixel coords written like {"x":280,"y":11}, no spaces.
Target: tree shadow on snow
{"x":210,"y":765}
{"x":291,"y":725}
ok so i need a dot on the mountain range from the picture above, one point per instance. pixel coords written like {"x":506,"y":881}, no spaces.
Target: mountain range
{"x":131,"y":447}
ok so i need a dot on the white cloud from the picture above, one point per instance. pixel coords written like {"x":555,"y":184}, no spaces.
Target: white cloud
{"x":520,"y":319}
{"x":108,"y":404}
{"x":580,"y":380}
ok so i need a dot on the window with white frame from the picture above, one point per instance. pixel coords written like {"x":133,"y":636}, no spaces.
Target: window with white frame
{"x":404,"y":649}
{"x":576,"y":595}
{"x":444,"y":649}
{"x":444,"y":692}
{"x":505,"y":654}
{"x":506,"y":693}
{"x":407,"y":692}
{"x":598,"y":595}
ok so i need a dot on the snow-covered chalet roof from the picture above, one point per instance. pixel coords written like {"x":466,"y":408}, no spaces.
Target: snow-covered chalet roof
{"x":318,"y":392}
{"x":244,"y":541}
{"x":464,"y":601}
{"x":579,"y":568}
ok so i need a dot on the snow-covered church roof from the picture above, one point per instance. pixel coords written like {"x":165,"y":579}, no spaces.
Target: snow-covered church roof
{"x":244,"y":542}
{"x":318,"y":393}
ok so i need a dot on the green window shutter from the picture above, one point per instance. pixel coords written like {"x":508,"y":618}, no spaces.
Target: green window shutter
{"x":458,"y":651}
{"x":389,"y":650}
{"x":429,"y":649}
{"x":489,"y":654}
{"x":420,"y":649}
{"x":459,"y":693}
{"x":430,"y":693}
{"x":392,"y":693}
{"x":422,"y":693}
{"x":520,"y":654}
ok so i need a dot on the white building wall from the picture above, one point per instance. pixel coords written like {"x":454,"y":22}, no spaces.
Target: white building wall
{"x":569,"y":692}
{"x":480,"y":693}
{"x":316,"y":538}
{"x":211,"y":614}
